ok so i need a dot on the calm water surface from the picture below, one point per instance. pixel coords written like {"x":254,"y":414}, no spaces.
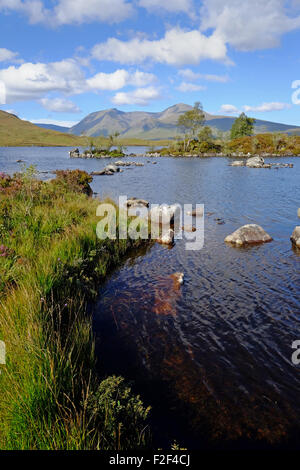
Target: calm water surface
{"x":214,"y":358}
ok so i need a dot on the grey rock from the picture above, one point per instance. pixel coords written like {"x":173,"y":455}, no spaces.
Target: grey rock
{"x":112,"y":168}
{"x":249,"y":234}
{"x":255,"y":162}
{"x":295,"y":238}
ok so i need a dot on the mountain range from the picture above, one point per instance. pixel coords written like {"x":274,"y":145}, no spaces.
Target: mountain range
{"x":159,"y":125}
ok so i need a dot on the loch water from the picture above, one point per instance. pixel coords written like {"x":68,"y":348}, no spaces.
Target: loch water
{"x":213,"y":358}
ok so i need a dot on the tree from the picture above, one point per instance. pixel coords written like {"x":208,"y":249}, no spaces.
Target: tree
{"x":191,"y":122}
{"x":111,"y":140}
{"x":243,"y":126}
{"x":205,"y":134}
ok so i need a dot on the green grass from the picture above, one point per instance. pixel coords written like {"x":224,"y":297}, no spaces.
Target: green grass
{"x":15,"y":132}
{"x":52,"y":265}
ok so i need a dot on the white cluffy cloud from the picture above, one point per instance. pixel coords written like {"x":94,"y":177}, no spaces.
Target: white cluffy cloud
{"x":35,"y":81}
{"x":185,"y":87}
{"x":229,"y":109}
{"x":194,"y":76}
{"x":263,"y":108}
{"x":119,"y":79}
{"x":267,"y":107}
{"x":140,"y":96}
{"x":59,"y":105}
{"x":172,"y":6}
{"x":177,"y":47}
{"x":86,"y":11}
{"x":249,"y":24}
{"x":8,"y":56}
{"x":70,"y":11}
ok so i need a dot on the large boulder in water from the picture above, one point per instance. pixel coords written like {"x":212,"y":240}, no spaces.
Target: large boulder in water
{"x":249,"y":235}
{"x":112,"y":168}
{"x":108,"y":170}
{"x":295,"y":238}
{"x":255,"y":162}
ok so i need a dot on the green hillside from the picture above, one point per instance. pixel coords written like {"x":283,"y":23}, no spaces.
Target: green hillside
{"x":15,"y":132}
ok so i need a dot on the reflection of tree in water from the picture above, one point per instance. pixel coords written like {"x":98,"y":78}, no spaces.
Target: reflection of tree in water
{"x":149,"y":331}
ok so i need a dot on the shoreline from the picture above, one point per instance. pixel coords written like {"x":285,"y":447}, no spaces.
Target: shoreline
{"x":51,"y":394}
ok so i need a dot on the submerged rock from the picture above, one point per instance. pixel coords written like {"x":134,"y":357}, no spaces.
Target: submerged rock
{"x":248,"y":235}
{"x":295,"y":238}
{"x":237,"y":163}
{"x":178,"y":279}
{"x":167,"y":290}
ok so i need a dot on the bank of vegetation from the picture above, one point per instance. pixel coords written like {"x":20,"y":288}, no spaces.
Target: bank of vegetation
{"x":196,"y":139}
{"x":51,"y":263}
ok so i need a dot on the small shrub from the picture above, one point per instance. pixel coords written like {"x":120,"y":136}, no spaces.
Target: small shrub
{"x":119,"y":413}
{"x":74,"y":180}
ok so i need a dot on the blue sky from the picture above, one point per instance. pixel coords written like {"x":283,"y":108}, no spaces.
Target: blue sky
{"x":62,"y":59}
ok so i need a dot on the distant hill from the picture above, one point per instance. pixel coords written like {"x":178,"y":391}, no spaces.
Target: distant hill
{"x":16,"y":132}
{"x":53,"y":127}
{"x":144,"y":125}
